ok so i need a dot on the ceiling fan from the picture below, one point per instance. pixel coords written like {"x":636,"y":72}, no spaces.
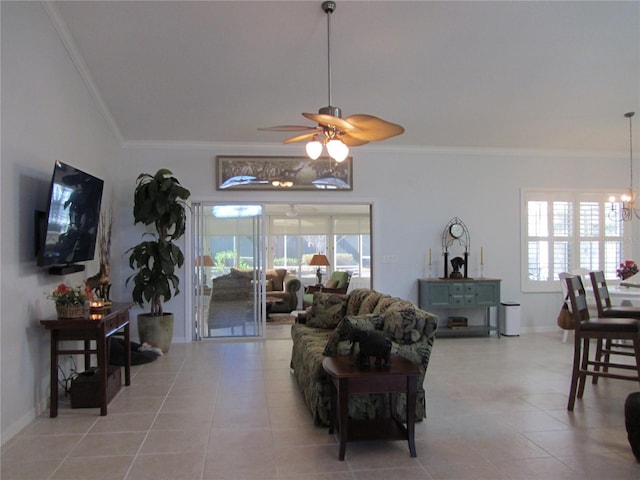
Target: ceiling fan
{"x":332,"y":131}
{"x":295,"y":210}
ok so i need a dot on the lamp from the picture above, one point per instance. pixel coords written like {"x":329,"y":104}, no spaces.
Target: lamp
{"x":204,"y":261}
{"x":319,"y":260}
{"x":628,"y":199}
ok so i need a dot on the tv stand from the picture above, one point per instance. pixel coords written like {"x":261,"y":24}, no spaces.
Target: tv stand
{"x":66,"y":269}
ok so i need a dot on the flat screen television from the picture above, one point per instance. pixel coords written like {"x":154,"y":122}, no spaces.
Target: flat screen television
{"x":69,"y":229}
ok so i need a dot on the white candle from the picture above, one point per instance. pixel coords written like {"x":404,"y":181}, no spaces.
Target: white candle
{"x":481,"y":255}
{"x":429,"y":255}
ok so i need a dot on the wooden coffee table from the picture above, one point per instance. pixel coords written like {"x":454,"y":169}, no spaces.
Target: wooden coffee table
{"x":348,"y":379}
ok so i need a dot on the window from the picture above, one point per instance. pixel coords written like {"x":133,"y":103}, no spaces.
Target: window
{"x":345,"y":239}
{"x":566,"y":231}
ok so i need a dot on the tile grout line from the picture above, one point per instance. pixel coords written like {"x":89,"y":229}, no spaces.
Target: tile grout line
{"x":146,"y":435}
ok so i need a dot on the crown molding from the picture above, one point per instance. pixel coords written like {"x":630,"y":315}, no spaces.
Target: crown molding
{"x":69,"y":44}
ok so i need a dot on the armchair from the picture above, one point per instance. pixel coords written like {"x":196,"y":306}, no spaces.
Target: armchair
{"x":337,"y":283}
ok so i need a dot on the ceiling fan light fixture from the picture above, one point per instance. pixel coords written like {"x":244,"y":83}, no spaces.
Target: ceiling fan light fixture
{"x":337,"y":150}
{"x":314,"y":149}
{"x":354,"y":130}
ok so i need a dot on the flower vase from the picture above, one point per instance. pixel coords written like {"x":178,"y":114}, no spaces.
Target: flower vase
{"x":70,"y":311}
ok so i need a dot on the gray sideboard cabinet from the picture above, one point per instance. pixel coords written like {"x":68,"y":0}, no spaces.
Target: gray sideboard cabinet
{"x":439,"y":295}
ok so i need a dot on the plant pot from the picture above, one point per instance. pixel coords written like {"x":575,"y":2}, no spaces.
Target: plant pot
{"x":156,"y":330}
{"x":70,"y":311}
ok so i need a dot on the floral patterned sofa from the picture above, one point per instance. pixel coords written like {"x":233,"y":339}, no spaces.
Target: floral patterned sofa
{"x":324,"y":330}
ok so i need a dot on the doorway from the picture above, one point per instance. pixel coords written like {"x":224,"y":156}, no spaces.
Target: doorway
{"x":228,"y":261}
{"x":235,"y":244}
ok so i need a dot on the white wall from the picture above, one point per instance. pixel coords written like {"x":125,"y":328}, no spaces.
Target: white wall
{"x":48,"y":114}
{"x":415,"y":194}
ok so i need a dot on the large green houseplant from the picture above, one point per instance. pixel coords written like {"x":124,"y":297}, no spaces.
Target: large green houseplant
{"x":159,"y":200}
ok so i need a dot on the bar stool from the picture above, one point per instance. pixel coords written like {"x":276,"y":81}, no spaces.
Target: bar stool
{"x":601,"y":329}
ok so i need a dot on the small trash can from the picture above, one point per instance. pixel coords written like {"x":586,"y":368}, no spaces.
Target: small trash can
{"x":509,"y":319}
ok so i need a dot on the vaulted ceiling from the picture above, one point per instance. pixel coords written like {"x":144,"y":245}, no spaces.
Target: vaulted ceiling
{"x":531,"y":75}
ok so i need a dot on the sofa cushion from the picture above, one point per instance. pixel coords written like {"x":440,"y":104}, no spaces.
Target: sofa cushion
{"x":327,"y":310}
{"x":234,"y":272}
{"x":355,"y":300}
{"x":277,"y":277}
{"x":338,"y":342}
{"x":405,"y":323}
{"x":369,"y":303}
{"x":269,"y":285}
{"x":341,"y":279}
{"x":385,"y":302}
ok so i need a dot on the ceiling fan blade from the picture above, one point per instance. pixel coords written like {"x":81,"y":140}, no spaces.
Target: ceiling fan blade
{"x":372,"y":129}
{"x":351,"y":141}
{"x":299,"y":138}
{"x":330,"y":120}
{"x":288,"y":128}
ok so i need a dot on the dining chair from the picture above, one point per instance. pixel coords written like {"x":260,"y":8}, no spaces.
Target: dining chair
{"x":565,"y":298}
{"x":603,"y":299}
{"x":605,"y":309}
{"x":600,"y":329}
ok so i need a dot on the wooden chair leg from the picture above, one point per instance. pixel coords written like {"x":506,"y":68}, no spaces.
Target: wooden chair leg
{"x":598,"y":358}
{"x":607,"y":354}
{"x":636,"y":349}
{"x":584,"y":367}
{"x":574,"y":374}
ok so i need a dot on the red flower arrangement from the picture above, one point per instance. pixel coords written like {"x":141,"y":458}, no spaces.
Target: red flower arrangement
{"x":66,"y":295}
{"x":627,"y":269}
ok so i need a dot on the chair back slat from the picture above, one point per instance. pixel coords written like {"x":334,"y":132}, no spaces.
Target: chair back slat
{"x":578,"y":297}
{"x":600,"y":291}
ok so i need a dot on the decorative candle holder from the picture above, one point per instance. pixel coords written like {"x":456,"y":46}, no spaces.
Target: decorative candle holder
{"x":96,"y":305}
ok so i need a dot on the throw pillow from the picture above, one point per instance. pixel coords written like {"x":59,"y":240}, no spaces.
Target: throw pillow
{"x":405,"y":324}
{"x":331,"y":283}
{"x":346,"y":326}
{"x":327,"y":310}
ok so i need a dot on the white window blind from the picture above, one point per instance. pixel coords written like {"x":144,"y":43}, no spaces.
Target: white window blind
{"x":565,"y":231}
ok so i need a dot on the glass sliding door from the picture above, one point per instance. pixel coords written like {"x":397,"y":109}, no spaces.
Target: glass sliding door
{"x":341,"y":232}
{"x":228,"y":260}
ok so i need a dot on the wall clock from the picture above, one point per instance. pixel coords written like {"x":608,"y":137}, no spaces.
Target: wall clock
{"x":456,"y":233}
{"x":456,"y":230}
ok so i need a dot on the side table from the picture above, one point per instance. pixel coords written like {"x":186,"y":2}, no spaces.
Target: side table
{"x":96,"y":327}
{"x":347,"y":379}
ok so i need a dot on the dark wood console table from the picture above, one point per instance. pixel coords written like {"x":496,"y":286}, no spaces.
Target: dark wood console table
{"x":97,"y":327}
{"x":348,"y":379}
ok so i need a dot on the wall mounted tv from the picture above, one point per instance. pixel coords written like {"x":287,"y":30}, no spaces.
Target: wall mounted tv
{"x":69,"y":229}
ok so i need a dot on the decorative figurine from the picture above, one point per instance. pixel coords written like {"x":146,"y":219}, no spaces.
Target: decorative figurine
{"x":457,"y":263}
{"x":371,"y":342}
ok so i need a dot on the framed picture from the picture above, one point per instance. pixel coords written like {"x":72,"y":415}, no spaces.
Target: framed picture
{"x":279,"y":173}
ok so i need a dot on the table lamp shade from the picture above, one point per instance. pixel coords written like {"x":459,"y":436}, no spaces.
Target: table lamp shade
{"x":319,"y":260}
{"x":204,"y":261}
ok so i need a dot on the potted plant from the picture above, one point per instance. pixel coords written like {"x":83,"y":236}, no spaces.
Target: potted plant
{"x":159,"y":200}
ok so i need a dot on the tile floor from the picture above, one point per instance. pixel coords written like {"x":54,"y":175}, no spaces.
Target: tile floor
{"x":230,"y":410}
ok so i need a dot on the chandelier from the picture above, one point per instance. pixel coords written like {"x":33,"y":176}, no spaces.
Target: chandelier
{"x":628,"y":210}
